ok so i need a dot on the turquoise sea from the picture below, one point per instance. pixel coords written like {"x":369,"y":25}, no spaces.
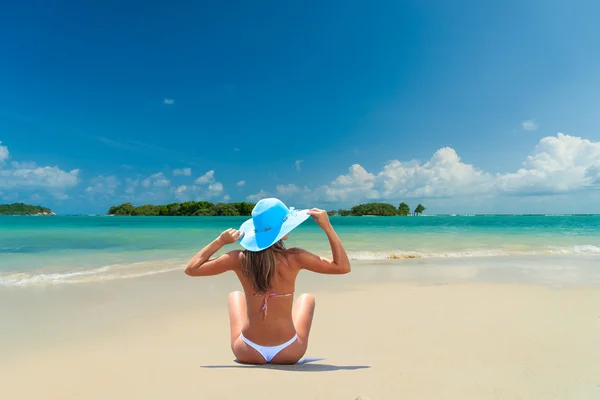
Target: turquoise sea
{"x":74,"y":249}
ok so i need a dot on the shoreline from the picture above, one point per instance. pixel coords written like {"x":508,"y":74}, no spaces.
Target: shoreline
{"x":580,"y":268}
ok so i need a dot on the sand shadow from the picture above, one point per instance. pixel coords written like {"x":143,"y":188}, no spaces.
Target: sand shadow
{"x":304,"y":365}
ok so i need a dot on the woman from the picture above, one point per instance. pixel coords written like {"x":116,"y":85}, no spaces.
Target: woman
{"x":265,"y":328}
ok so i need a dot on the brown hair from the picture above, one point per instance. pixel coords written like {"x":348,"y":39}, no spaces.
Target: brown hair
{"x":260,"y":266}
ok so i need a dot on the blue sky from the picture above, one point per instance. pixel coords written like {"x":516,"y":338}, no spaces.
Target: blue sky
{"x":322,"y":105}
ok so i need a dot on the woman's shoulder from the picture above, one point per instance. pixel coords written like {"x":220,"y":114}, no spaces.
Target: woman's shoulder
{"x":297,"y":253}
{"x":235,"y":257}
{"x":292,"y":251}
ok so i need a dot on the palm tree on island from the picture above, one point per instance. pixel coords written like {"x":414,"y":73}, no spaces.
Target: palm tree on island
{"x":419,"y":209}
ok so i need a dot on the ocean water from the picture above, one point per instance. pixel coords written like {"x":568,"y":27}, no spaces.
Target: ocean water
{"x":76,"y":249}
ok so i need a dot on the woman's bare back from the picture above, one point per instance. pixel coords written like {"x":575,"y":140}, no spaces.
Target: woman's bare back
{"x":269,"y":314}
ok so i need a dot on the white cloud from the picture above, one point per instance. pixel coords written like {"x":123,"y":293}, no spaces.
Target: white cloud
{"x":558,"y":164}
{"x":226,"y":197}
{"x":241,"y":183}
{"x":283,"y":190}
{"x":28,"y":176}
{"x":297,"y":164}
{"x":257,"y":196}
{"x":182,"y":172}
{"x":236,"y":149}
{"x":216,"y":187}
{"x":199,"y":192}
{"x":49,"y":178}
{"x":357,"y":184}
{"x":131,"y":185}
{"x":208,"y":177}
{"x":157,"y":180}
{"x":103,"y":186}
{"x":155,"y":189}
{"x":3,"y":153}
{"x":593,"y":175}
{"x":182,"y":193}
{"x":169,"y":101}
{"x":529,"y":125}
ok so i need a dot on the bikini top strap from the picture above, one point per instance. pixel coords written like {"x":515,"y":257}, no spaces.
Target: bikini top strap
{"x":264,"y":307}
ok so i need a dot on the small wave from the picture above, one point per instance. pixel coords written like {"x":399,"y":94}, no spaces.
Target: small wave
{"x":403,"y":255}
{"x":581,"y":249}
{"x":372,"y":256}
{"x":104,"y":273}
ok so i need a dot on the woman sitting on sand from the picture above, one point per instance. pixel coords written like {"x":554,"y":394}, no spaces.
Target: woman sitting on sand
{"x":264,"y":326}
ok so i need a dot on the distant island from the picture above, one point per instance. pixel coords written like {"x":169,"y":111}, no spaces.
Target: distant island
{"x":208,"y":209}
{"x":24,"y":209}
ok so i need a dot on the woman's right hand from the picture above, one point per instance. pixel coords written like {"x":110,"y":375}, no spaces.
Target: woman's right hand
{"x":230,"y":236}
{"x":321,"y":217}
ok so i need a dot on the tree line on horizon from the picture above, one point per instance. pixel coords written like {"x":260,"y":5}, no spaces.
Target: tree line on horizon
{"x":208,"y":209}
{"x":187,"y":208}
{"x":22,"y":209}
{"x":378,"y":209}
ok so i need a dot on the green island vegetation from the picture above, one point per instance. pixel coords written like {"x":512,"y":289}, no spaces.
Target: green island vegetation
{"x":188,"y":208}
{"x":378,"y":209}
{"x":23,"y":209}
{"x":208,"y":209}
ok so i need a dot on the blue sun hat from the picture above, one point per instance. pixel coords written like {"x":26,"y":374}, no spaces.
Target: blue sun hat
{"x":271,"y":221}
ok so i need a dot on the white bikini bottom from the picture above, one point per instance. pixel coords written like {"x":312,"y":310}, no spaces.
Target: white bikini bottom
{"x":268,"y":352}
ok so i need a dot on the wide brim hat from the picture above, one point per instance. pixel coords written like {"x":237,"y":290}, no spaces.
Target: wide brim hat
{"x":271,"y":221}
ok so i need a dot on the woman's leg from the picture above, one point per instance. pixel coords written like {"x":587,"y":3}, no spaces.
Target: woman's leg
{"x":237,"y":314}
{"x":237,"y":318}
{"x":302,"y":315}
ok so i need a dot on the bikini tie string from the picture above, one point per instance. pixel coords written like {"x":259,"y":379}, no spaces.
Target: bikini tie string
{"x":264,"y":306}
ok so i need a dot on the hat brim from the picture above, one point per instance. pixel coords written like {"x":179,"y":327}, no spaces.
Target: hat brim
{"x":257,"y":241}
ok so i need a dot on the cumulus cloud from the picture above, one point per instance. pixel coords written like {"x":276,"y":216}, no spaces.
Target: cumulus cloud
{"x":298,"y":163}
{"x":169,"y":101}
{"x":182,"y":172}
{"x":181,"y":189}
{"x":257,"y":196}
{"x":157,"y":180}
{"x":103,"y":186}
{"x":206,"y":187}
{"x":216,"y":187}
{"x":3,"y":153}
{"x":208,"y":177}
{"x":558,"y":164}
{"x":132,"y":184}
{"x":283,"y":190}
{"x":38,"y":177}
{"x":226,"y":197}
{"x":358,"y":183}
{"x":241,"y":183}
{"x":29,"y":176}
{"x":529,"y":125}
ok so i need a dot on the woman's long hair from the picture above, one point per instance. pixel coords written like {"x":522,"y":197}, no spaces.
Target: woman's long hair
{"x":260,"y":266}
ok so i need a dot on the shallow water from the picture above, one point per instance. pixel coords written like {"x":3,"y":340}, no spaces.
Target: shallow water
{"x":72,"y":249}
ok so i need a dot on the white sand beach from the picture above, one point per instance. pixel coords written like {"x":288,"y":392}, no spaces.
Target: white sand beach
{"x":388,"y":330}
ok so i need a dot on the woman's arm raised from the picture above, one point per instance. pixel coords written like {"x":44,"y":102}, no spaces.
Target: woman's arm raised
{"x":202,"y":265}
{"x":312,"y":262}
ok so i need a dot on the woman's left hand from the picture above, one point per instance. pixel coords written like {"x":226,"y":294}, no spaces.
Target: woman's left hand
{"x":230,"y":236}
